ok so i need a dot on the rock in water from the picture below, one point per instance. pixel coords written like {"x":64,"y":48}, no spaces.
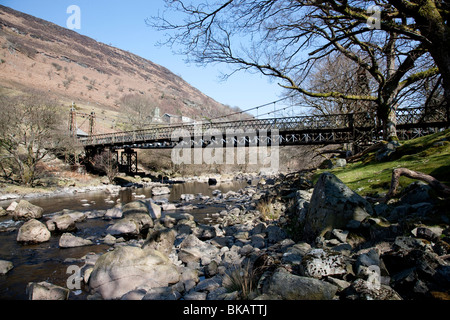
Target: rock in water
{"x":114,"y":213}
{"x":127,"y":267}
{"x":33,"y":231}
{"x":5,"y":266}
{"x":26,"y":211}
{"x":61,"y":223}
{"x":68,"y":240}
{"x":333,"y":205}
{"x":157,"y":191}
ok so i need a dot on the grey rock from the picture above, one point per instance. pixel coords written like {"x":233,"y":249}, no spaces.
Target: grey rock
{"x":204,"y":232}
{"x":333,"y":205}
{"x":3,"y":212}
{"x":109,"y":239}
{"x":5,"y":266}
{"x":12,"y":206}
{"x":124,"y":227}
{"x":128,"y":267}
{"x":258,"y":241}
{"x":157,"y":191}
{"x":319,"y":263}
{"x":365,"y":290}
{"x":408,"y":243}
{"x":217,"y":294}
{"x":195,"y":295}
{"x":115,"y":212}
{"x":161,"y":240}
{"x":63,"y":222}
{"x":133,"y":295}
{"x":193,"y":249}
{"x":33,"y":231}
{"x":385,"y":152}
{"x":46,"y":291}
{"x":68,"y":240}
{"x":162,"y":293}
{"x":209,"y":284}
{"x":341,"y":235}
{"x":275,"y":234}
{"x":189,"y":278}
{"x":133,"y":223}
{"x":292,"y":287}
{"x":25,"y":211}
{"x":187,"y":197}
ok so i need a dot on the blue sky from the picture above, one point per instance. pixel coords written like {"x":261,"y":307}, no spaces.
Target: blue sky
{"x":122,"y":24}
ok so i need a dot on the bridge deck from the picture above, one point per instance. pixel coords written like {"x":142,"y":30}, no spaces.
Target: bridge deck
{"x":313,"y":129}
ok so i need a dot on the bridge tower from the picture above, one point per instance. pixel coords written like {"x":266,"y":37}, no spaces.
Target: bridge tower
{"x":72,"y":121}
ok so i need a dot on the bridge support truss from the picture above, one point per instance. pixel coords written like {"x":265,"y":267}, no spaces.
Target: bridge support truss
{"x":128,"y":161}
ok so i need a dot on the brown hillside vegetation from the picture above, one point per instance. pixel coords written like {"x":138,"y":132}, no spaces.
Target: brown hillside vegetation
{"x":40,"y":55}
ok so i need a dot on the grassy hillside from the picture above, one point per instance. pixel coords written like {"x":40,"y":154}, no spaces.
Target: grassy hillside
{"x":429,"y":154}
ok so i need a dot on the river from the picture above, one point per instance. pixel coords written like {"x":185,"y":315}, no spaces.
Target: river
{"x":48,"y":262}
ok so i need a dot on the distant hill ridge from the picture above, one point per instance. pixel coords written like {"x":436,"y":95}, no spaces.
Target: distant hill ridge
{"x":38,"y":54}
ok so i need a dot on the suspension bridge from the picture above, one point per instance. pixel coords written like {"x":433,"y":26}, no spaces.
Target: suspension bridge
{"x":358,"y":129}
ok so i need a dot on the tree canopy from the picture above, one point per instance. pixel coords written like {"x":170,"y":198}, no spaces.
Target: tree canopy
{"x":397,"y":44}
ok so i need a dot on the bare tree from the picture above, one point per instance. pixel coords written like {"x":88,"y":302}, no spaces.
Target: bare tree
{"x":105,"y":163}
{"x":139,"y":109}
{"x":336,"y":73}
{"x":29,"y":125}
{"x":285,"y":39}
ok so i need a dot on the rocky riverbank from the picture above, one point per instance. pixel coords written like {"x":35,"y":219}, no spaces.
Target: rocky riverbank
{"x":277,"y":238}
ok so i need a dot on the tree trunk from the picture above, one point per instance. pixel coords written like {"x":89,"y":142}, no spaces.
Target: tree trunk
{"x":391,"y":125}
{"x":442,"y":58}
{"x":388,"y":118}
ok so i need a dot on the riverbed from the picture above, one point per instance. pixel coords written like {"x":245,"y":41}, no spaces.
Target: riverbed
{"x":48,"y":262}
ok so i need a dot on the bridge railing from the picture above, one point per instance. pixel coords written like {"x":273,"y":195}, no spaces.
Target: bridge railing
{"x":361,"y":121}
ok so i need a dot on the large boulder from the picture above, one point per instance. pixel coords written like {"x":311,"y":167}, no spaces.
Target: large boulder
{"x":333,"y":205}
{"x":33,"y":231}
{"x":25,"y":211}
{"x":292,"y":287}
{"x":127,"y":267}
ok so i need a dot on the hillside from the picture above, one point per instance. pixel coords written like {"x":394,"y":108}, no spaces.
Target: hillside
{"x":40,"y":55}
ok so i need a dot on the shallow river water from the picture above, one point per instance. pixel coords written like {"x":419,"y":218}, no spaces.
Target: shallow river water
{"x":47,"y":262}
